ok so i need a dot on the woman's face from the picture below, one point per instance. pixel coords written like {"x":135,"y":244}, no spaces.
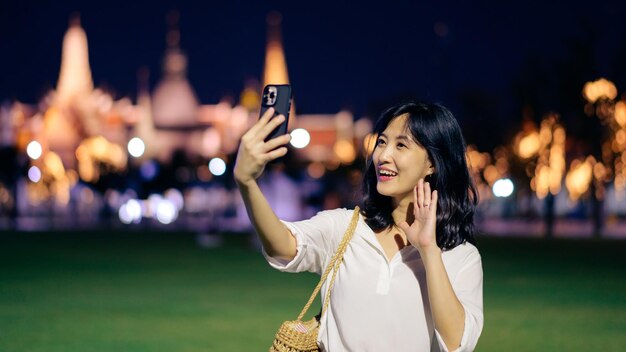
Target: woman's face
{"x":400,"y":162}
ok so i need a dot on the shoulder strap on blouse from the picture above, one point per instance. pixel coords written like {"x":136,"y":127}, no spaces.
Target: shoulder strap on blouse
{"x":334,"y":264}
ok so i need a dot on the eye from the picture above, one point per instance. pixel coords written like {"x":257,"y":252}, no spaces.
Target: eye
{"x":380,"y":141}
{"x":401,"y":145}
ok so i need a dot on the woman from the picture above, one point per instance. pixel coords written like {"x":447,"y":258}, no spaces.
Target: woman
{"x":411,"y":278}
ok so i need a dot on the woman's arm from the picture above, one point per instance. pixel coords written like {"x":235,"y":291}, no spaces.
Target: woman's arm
{"x":253,"y":154}
{"x":276,"y":238}
{"x":447,"y":311}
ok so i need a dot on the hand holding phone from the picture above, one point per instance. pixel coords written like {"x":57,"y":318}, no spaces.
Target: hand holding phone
{"x":277,"y":96}
{"x":253,"y":154}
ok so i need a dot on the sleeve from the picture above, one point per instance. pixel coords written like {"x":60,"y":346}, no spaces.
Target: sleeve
{"x":468,"y":286}
{"x":314,"y":243}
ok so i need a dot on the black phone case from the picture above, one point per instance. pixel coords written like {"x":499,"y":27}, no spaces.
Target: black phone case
{"x":281,"y":105}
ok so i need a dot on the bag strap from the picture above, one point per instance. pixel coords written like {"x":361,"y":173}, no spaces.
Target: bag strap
{"x":334,"y":264}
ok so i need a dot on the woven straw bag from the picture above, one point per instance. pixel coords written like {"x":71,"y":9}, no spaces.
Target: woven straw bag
{"x":301,"y":336}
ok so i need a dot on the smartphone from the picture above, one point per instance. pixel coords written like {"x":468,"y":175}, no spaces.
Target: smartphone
{"x":277,"y":96}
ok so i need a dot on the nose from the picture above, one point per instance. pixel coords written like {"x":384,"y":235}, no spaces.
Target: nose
{"x":386,"y":154}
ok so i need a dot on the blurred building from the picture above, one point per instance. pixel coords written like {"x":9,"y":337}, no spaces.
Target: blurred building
{"x":79,"y":133}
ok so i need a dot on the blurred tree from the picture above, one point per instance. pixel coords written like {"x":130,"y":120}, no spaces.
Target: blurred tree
{"x":551,"y":83}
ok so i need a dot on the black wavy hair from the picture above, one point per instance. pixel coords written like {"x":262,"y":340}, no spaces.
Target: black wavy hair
{"x":433,"y":127}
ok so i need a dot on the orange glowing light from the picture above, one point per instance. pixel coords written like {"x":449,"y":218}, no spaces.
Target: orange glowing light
{"x":550,"y":149}
{"x":369,"y":143}
{"x":620,"y":138}
{"x":602,"y":88}
{"x":491,"y":174}
{"x":578,"y":179}
{"x":502,"y":161}
{"x":344,"y":151}
{"x":620,"y":113}
{"x":96,"y":151}
{"x":528,"y":146}
{"x":250,"y":99}
{"x":54,"y":165}
{"x":477,"y":160}
{"x":599,"y":172}
{"x":275,"y":71}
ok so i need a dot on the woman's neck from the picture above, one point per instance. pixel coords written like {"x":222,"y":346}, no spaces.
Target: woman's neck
{"x":403,"y":211}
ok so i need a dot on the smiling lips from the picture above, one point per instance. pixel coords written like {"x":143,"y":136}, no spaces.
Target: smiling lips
{"x":386,"y":174}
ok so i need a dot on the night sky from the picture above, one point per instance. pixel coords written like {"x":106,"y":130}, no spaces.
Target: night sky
{"x":359,"y":55}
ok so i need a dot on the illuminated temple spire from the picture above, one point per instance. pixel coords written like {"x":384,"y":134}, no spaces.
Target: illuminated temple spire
{"x":275,"y":71}
{"x":75,"y":76}
{"x":174,"y":102}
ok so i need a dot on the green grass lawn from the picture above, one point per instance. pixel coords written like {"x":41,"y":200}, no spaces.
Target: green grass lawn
{"x":161,"y":292}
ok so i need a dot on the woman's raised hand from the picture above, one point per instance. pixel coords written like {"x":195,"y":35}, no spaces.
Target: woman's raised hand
{"x":254,"y":153}
{"x":422,"y":232}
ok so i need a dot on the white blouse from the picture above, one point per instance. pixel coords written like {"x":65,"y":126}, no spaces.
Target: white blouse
{"x":376,"y":304}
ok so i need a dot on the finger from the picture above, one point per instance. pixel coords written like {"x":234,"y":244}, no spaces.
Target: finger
{"x":433,"y":205}
{"x":275,"y":142}
{"x":268,"y":114}
{"x":427,"y":195}
{"x":267,"y":129}
{"x":420,"y":193}
{"x":262,"y":121}
{"x":275,"y":154}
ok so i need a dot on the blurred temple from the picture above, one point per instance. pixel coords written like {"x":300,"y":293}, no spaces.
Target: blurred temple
{"x":81,"y":151}
{"x":82,"y":157}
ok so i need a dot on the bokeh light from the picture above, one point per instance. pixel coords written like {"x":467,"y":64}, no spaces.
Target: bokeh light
{"x":133,"y":207}
{"x":369,"y":143}
{"x":136,"y":147}
{"x":503,"y":188}
{"x":34,"y":150}
{"x":528,"y":146}
{"x":124,"y":215}
{"x":579,"y":178}
{"x":602,"y":88}
{"x":152,"y":204}
{"x":217,"y":166}
{"x":344,"y":151}
{"x":176,"y":197}
{"x":149,"y":170}
{"x":166,"y":212}
{"x":34,"y":174}
{"x":300,"y":138}
{"x":620,"y":113}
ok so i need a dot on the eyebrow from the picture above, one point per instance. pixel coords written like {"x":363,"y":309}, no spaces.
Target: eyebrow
{"x":403,"y":137}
